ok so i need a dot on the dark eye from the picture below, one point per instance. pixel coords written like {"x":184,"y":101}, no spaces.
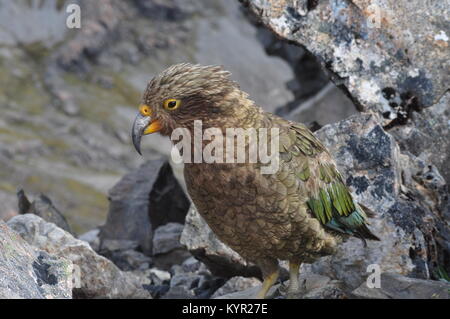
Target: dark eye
{"x":171,"y":104}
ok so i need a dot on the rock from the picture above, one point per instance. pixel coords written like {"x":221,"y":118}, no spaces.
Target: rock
{"x":174,"y":257}
{"x":251,"y":293}
{"x":42,"y":207}
{"x":159,"y":276}
{"x":113,"y":245}
{"x":395,"y":286}
{"x":191,"y":265}
{"x":95,"y":276}
{"x":142,"y":201}
{"x":128,"y":260}
{"x":320,"y":287}
{"x":157,"y":291}
{"x":167,"y":238}
{"x":206,"y":247}
{"x":168,"y":200}
{"x":22,"y":202}
{"x":368,"y":46}
{"x":91,"y":237}
{"x":187,"y":280}
{"x":125,"y":254}
{"x":179,"y":292}
{"x":373,"y":167}
{"x":29,"y":273}
{"x":236,"y":284}
{"x":128,"y":216}
{"x":312,"y":286}
{"x":330,"y":105}
{"x":427,"y":136}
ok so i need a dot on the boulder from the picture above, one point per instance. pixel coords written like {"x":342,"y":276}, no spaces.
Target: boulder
{"x":91,"y":237}
{"x":94,"y":275}
{"x":376,"y":171}
{"x":43,"y":207}
{"x":167,"y":238}
{"x":395,"y":286}
{"x":141,"y":201}
{"x":235,"y":284}
{"x":368,"y":47}
{"x":167,"y":249}
{"x":30,"y":273}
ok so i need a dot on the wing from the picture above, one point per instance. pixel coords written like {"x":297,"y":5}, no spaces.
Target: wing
{"x":327,"y":196}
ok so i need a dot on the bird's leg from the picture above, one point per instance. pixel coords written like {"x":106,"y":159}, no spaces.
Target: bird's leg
{"x":294,"y":287}
{"x":269,"y":281}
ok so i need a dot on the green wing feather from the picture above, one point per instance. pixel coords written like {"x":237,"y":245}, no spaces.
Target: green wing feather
{"x":330,"y":202}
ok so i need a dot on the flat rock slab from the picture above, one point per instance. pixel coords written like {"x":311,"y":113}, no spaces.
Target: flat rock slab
{"x":395,"y":286}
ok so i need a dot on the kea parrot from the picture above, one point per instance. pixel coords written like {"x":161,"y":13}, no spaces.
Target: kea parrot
{"x":298,"y":213}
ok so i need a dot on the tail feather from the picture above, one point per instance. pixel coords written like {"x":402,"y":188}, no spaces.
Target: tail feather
{"x":354,"y":224}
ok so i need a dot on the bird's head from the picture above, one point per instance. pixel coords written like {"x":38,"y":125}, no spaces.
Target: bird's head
{"x":181,"y":94}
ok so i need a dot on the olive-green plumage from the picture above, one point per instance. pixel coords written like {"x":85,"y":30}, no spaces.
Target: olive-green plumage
{"x":298,"y":214}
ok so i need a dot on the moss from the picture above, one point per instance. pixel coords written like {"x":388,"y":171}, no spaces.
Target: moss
{"x":37,"y":51}
{"x":96,"y":103}
{"x":7,"y":187}
{"x":56,"y":144}
{"x":20,"y":84}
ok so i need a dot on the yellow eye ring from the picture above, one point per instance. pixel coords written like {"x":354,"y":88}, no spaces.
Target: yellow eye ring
{"x":171,"y":104}
{"x":145,"y":110}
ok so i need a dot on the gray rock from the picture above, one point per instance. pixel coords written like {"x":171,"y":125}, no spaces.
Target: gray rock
{"x":251,"y":293}
{"x":320,"y":287}
{"x":91,"y":237}
{"x":141,"y":201}
{"x":187,"y":280}
{"x":312,"y":286}
{"x":159,"y":276}
{"x":27,"y":272}
{"x":236,"y":284}
{"x":179,"y":292}
{"x":128,"y":260}
{"x":395,"y":286}
{"x":95,"y":276}
{"x":427,"y":136}
{"x":191,"y":264}
{"x":167,"y":238}
{"x":373,"y":167}
{"x":113,"y":245}
{"x":347,"y":37}
{"x":43,"y":207}
{"x":330,"y":105}
{"x":174,"y":257}
{"x":128,"y":216}
{"x":206,"y":247}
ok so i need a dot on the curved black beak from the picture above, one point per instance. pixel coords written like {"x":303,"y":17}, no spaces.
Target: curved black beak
{"x":140,"y":124}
